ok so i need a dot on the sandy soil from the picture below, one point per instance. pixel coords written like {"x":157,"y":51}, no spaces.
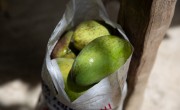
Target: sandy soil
{"x":162,"y":92}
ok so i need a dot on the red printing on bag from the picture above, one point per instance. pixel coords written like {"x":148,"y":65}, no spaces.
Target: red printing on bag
{"x":107,"y":108}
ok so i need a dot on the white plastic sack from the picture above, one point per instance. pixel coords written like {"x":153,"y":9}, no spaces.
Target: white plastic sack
{"x":109,"y":93}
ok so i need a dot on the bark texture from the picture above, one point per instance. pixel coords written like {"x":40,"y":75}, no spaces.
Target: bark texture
{"x":145,"y":22}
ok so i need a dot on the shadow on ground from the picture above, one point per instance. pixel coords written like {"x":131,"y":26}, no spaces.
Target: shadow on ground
{"x":176,"y":18}
{"x":15,"y":107}
{"x":25,"y":29}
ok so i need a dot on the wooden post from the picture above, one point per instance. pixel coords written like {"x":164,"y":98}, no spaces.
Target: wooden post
{"x":145,"y":22}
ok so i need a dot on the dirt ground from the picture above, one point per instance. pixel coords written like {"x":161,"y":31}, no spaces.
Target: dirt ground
{"x":24,"y":32}
{"x":162,"y":92}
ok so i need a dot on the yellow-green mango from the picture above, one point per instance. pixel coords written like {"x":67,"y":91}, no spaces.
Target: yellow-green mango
{"x":62,"y":46}
{"x":87,"y":31}
{"x":65,"y":65}
{"x":70,"y":54}
{"x":100,"y":58}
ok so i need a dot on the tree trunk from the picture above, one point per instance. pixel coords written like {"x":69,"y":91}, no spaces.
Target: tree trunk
{"x":145,"y":22}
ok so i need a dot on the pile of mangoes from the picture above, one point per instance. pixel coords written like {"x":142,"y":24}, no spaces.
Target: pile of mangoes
{"x":87,"y":54}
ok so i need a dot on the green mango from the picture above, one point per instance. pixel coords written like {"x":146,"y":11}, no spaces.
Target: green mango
{"x":70,"y":54}
{"x":100,"y":58}
{"x":65,"y":65}
{"x":87,"y":31}
{"x":62,"y":46}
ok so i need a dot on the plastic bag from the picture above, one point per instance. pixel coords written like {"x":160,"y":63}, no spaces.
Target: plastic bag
{"x":109,"y":93}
